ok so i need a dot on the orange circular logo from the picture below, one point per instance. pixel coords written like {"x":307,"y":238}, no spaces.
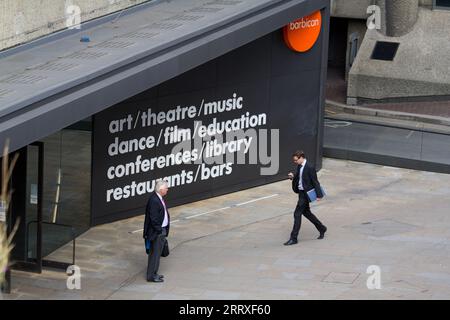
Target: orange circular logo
{"x":302,"y":34}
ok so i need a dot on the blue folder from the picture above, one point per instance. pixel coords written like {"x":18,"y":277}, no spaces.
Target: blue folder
{"x":147,"y":245}
{"x":312,"y":195}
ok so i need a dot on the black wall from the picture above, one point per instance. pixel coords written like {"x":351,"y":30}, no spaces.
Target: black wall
{"x":270,"y":77}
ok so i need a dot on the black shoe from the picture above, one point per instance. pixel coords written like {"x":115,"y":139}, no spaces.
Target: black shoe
{"x":322,"y":233}
{"x":155,"y":279}
{"x":290,"y":242}
{"x":159,"y":276}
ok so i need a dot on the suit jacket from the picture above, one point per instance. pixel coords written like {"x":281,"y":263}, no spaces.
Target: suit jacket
{"x":154,"y":217}
{"x":309,"y":180}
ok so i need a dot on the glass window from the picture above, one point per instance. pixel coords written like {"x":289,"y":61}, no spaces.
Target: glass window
{"x":67,"y":184}
{"x":442,"y":3}
{"x":65,"y":157}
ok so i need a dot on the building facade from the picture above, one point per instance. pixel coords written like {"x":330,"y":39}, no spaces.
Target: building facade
{"x":390,"y":51}
{"x":211,"y":95}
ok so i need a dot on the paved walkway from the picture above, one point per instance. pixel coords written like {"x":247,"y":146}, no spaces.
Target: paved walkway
{"x":230,"y":247}
{"x":336,"y":91}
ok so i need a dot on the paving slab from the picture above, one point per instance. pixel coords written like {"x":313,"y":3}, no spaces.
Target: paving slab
{"x":396,"y":219}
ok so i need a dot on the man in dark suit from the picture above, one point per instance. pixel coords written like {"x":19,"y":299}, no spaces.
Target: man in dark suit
{"x":304,"y":180}
{"x":156,"y":229}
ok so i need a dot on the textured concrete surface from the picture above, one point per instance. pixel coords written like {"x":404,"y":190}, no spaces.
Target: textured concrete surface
{"x":355,"y":9}
{"x":434,"y":112}
{"x":401,"y":15}
{"x":356,"y":30}
{"x":420,"y":68}
{"x":23,"y":20}
{"x":394,"y":218}
{"x":439,"y":109}
{"x":392,"y":114}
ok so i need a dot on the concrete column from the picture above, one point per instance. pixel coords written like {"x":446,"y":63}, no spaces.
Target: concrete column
{"x":382,"y":5}
{"x":400,"y":15}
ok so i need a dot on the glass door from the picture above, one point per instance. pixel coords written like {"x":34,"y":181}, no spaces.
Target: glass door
{"x":34,"y":204}
{"x":27,"y":254}
{"x":52,"y":189}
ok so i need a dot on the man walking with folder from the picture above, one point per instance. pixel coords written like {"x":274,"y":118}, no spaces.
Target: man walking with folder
{"x":306,"y":184}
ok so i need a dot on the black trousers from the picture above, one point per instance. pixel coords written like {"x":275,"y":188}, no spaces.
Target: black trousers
{"x":303,"y":209}
{"x":154,"y":256}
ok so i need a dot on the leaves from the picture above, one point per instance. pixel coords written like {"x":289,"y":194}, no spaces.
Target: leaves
{"x":6,"y":244}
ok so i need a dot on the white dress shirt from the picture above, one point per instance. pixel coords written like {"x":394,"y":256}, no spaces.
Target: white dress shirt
{"x":166,"y":217}
{"x":300,"y":183}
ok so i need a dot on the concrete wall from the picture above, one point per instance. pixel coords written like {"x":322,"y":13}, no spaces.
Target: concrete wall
{"x":350,"y":8}
{"x":421,"y":67}
{"x":358,"y":29}
{"x":356,"y":9}
{"x":426,"y":3}
{"x":25,"y":20}
{"x":401,"y":15}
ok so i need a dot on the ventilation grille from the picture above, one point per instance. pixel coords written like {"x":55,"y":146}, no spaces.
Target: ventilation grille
{"x":224,"y":2}
{"x":5,"y":92}
{"x":114,"y":44}
{"x":205,"y":10}
{"x":54,"y":66}
{"x":87,"y":55}
{"x":165,"y":26}
{"x":139,"y":35}
{"x":22,"y":78}
{"x":185,"y":17}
